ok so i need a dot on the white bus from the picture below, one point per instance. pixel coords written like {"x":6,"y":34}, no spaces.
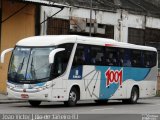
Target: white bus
{"x":70,"y":68}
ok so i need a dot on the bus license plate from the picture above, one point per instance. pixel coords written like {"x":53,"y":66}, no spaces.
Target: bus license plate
{"x":24,"y":96}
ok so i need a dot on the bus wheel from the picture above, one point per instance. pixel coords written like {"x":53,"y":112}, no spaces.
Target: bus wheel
{"x":134,"y":96}
{"x":34,"y":103}
{"x":73,"y":98}
{"x":101,"y":102}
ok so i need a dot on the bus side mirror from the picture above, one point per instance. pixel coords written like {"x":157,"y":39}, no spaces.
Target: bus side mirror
{"x":4,"y":52}
{"x":53,"y":53}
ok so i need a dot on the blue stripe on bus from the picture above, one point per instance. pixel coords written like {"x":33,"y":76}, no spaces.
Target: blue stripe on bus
{"x":136,"y":74}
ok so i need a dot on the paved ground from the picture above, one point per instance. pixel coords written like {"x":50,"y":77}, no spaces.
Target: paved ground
{"x":4,"y":100}
{"x":120,"y":111}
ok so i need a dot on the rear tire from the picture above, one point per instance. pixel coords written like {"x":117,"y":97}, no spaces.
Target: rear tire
{"x":133,"y":98}
{"x":73,"y":98}
{"x":34,"y":103}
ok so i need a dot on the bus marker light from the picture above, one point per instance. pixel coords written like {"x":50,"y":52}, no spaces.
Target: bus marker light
{"x":109,"y":45}
{"x":24,"y":90}
{"x":46,"y":95}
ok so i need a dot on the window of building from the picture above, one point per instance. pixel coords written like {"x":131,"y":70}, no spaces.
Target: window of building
{"x":109,"y":31}
{"x":101,"y":25}
{"x":136,"y":36}
{"x":57,"y":26}
{"x":152,"y":39}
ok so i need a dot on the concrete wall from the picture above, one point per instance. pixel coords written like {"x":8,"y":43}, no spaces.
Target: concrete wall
{"x":17,"y":27}
{"x":121,"y":20}
{"x":155,"y":2}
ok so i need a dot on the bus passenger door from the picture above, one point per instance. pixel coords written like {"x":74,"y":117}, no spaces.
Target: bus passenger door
{"x":59,"y":70}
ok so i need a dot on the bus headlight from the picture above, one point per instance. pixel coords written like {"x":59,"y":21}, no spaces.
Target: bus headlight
{"x":40,"y":89}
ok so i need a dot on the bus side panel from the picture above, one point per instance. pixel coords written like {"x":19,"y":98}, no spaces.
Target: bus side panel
{"x":117,"y":82}
{"x":91,"y":78}
{"x":109,"y":82}
{"x":148,"y":87}
{"x":88,"y":79}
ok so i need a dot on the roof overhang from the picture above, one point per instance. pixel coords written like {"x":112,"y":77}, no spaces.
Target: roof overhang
{"x":44,"y":3}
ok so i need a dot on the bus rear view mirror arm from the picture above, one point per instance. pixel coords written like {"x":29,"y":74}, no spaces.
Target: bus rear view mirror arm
{"x":53,"y":53}
{"x":4,"y":52}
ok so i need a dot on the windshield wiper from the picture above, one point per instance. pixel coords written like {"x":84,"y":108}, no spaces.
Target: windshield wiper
{"x":19,"y":69}
{"x":21,"y":65}
{"x":33,"y":72}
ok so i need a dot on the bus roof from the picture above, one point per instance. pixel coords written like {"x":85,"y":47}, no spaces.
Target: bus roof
{"x":53,"y":40}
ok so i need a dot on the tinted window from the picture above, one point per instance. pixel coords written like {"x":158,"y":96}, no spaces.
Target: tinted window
{"x":111,"y":58}
{"x":121,"y":55}
{"x":127,"y":58}
{"x":61,"y":60}
{"x":79,"y":58}
{"x":136,"y":58}
{"x":97,"y":55}
{"x":88,"y":55}
{"x":150,"y":59}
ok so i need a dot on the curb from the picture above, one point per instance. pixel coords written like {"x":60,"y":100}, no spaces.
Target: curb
{"x":11,"y":101}
{"x":5,"y":100}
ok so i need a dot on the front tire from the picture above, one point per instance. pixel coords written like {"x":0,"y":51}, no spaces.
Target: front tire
{"x":134,"y":96}
{"x":34,"y":103}
{"x":73,"y":98}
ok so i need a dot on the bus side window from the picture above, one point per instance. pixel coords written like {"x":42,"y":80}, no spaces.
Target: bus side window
{"x":59,"y":64}
{"x":136,"y":58}
{"x":120,"y":56}
{"x":111,"y":57}
{"x":108,"y":56}
{"x":127,"y":58}
{"x":97,"y":55}
{"x":61,"y":60}
{"x":79,"y":58}
{"x":150,"y":59}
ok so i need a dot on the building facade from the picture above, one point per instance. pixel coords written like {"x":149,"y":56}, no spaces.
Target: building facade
{"x":19,"y":19}
{"x":17,"y":22}
{"x":133,"y":21}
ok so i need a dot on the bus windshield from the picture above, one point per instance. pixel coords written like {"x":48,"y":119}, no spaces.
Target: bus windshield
{"x":30,"y":65}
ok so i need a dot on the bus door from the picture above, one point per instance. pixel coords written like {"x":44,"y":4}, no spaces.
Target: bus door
{"x":59,"y":66}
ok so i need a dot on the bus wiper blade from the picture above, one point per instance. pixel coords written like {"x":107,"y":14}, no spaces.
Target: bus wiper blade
{"x":20,"y":65}
{"x":33,"y":71}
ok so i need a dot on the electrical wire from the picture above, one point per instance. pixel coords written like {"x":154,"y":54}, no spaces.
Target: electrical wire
{"x":14,"y":13}
{"x":52,"y":15}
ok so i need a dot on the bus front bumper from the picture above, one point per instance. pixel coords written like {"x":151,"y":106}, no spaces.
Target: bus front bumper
{"x":44,"y":95}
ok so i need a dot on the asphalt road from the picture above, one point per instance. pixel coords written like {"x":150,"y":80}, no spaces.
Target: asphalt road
{"x":114,"y":110}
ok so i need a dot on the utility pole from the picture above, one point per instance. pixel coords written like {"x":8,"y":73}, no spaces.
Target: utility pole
{"x":0,"y":24}
{"x":90,"y":29}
